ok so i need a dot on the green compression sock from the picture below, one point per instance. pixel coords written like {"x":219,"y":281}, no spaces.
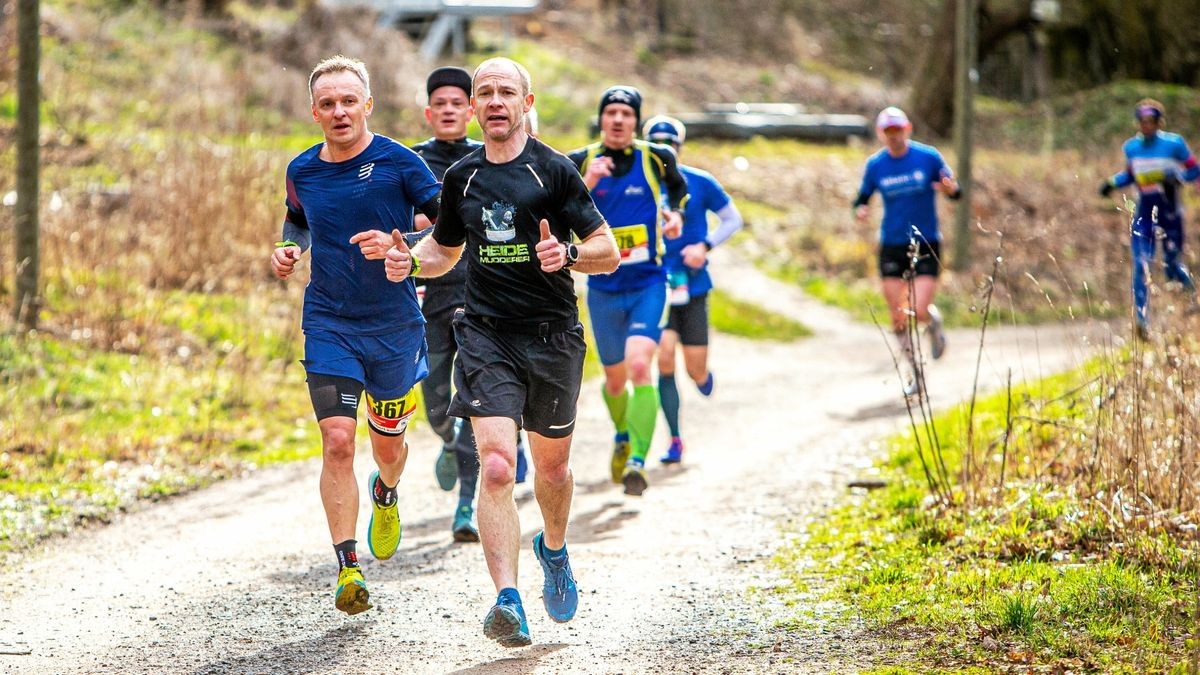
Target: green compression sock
{"x":643,"y":413}
{"x":617,"y":406}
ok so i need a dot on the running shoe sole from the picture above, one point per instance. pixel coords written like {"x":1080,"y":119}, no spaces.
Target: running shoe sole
{"x":503,"y":625}
{"x":352,"y":597}
{"x":466,"y":534}
{"x":619,"y":458}
{"x":635,"y":482}
{"x":446,"y":470}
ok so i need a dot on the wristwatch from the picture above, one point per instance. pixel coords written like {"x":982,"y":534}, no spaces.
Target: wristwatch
{"x":572,"y":255}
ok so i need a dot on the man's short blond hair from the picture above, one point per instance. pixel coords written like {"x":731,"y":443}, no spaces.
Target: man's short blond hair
{"x":337,"y":64}
{"x":522,"y":74}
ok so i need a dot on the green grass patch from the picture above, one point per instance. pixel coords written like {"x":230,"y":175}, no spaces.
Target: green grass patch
{"x":1028,"y":579}
{"x":744,"y":319}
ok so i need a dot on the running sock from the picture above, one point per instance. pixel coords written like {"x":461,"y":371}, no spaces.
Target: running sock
{"x":668,"y":397}
{"x":555,"y":555}
{"x":508,"y":596}
{"x":706,"y":388}
{"x":381,"y":493}
{"x":617,"y":406}
{"x":643,"y":413}
{"x":346,"y":554}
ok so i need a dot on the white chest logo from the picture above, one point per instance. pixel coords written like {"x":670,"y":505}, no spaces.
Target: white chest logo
{"x":365,"y":170}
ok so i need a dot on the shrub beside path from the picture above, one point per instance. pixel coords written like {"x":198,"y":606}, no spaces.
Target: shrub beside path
{"x":237,"y":578}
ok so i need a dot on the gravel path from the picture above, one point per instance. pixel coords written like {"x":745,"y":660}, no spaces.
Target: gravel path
{"x":237,"y":578}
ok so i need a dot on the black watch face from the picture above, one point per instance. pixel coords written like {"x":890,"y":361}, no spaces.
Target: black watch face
{"x":572,"y":252}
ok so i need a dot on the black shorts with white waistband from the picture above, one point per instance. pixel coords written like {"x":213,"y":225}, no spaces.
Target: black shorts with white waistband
{"x":690,"y":321}
{"x":528,"y":373}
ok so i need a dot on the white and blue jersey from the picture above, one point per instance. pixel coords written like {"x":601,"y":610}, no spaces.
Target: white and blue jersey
{"x":906,"y":183}
{"x":705,"y":194}
{"x":1157,"y":165}
{"x":377,"y":189}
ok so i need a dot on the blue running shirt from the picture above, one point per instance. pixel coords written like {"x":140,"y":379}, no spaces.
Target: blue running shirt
{"x":1150,"y":161}
{"x":906,"y":184}
{"x":705,"y":194}
{"x":631,"y":203}
{"x":375,"y":190}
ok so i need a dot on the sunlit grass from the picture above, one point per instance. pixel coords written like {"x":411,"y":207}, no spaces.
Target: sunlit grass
{"x":745,"y":319}
{"x":1033,"y":572}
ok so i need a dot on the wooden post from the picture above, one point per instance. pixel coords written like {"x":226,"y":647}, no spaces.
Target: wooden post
{"x":27,"y":300}
{"x":965,"y":77}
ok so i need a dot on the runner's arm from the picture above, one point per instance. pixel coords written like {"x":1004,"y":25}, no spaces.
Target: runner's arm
{"x":296,"y":234}
{"x":435,"y":259}
{"x":598,"y":253}
{"x":731,"y":222}
{"x":673,"y":180}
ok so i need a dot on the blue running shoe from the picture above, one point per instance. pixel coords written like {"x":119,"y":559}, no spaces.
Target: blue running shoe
{"x":446,"y":468}
{"x":505,"y":621}
{"x":522,"y":463}
{"x":674,"y":452}
{"x":559,"y":593}
{"x":707,"y":387}
{"x":464,"y":528}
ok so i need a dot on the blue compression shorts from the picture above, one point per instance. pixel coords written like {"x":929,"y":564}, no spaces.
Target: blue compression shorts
{"x":623,"y":314}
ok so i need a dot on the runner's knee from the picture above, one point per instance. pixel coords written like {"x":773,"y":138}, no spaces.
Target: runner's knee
{"x":337,"y":445}
{"x":496,"y":470}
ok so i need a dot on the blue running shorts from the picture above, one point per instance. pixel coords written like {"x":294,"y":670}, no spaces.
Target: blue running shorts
{"x":623,"y":314}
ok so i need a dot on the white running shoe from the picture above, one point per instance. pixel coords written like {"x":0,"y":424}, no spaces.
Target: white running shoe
{"x":937,"y":333}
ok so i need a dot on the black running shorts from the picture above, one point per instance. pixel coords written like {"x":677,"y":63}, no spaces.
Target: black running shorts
{"x":511,"y":372}
{"x":690,"y":321}
{"x":895,"y":261}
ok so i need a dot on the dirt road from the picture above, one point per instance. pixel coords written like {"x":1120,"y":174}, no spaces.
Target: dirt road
{"x":237,"y":578}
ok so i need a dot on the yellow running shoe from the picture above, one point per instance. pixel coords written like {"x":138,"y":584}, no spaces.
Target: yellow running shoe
{"x":351,"y":595}
{"x":383,"y":532}
{"x":620,"y":455}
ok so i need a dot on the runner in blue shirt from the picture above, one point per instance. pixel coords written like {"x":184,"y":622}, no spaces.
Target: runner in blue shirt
{"x":638,"y":188}
{"x":361,"y":333}
{"x":1158,"y":162}
{"x":686,"y":261}
{"x":908,"y":175}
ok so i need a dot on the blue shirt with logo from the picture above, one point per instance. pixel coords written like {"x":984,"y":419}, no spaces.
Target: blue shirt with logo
{"x":906,"y":183}
{"x":1157,"y":164}
{"x":376,"y":190}
{"x":705,"y":195}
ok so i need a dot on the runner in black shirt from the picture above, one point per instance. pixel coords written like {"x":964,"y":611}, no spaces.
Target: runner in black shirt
{"x":448,"y":113}
{"x":514,"y":205}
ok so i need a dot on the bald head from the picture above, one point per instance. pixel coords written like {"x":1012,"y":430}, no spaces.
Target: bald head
{"x":505,"y":67}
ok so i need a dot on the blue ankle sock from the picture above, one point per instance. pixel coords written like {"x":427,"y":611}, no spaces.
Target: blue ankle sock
{"x":707,"y":387}
{"x":552,"y":552}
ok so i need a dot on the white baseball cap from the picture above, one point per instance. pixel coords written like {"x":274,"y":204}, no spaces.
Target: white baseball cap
{"x":892,"y":116}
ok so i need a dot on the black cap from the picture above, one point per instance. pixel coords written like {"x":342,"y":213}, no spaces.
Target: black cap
{"x":448,"y":76}
{"x":623,"y":93}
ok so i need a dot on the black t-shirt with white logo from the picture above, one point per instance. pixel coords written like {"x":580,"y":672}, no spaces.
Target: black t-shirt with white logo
{"x":449,"y":290}
{"x":495,"y":209}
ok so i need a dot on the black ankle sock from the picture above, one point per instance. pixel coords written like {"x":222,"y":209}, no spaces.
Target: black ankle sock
{"x":382,"y":494}
{"x":346,"y":555}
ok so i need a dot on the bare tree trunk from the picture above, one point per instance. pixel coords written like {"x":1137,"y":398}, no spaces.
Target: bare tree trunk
{"x":933,"y":87}
{"x":27,"y":299}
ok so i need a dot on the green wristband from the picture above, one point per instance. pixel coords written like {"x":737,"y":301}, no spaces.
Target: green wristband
{"x":281,"y":244}
{"x":416,"y":266}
